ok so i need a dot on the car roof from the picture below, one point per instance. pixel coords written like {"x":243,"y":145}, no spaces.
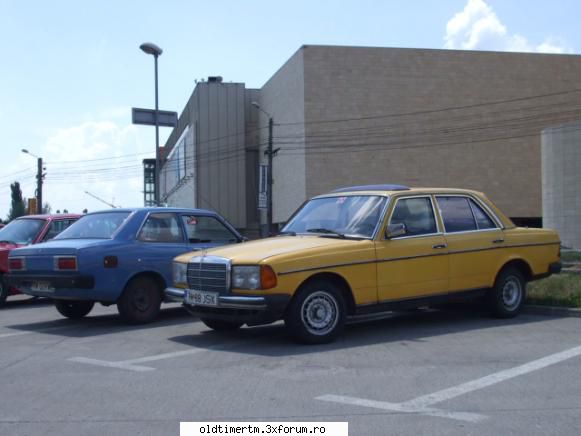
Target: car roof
{"x":51,"y":216}
{"x":157,"y":209}
{"x":397,"y":189}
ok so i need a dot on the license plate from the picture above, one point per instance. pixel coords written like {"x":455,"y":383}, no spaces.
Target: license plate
{"x":41,"y":286}
{"x":201,"y":298}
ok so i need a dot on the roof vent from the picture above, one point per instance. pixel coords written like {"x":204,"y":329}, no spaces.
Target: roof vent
{"x":214,"y":79}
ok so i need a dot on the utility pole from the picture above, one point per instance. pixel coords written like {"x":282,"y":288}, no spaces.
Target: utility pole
{"x":39,"y":176}
{"x":269,"y":177}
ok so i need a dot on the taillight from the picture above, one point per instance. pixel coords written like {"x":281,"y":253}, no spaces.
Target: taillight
{"x":65,"y":263}
{"x":16,"y":263}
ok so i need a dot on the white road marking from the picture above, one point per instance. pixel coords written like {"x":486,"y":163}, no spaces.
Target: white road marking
{"x":108,"y":364}
{"x":420,"y":405}
{"x":29,"y":332}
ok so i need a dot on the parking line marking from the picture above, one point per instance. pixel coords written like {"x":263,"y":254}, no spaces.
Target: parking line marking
{"x":108,"y":364}
{"x":29,"y":332}
{"x":399,"y":407}
{"x":420,"y":405}
{"x":492,"y":379}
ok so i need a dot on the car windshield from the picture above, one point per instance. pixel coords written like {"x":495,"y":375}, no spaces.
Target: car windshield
{"x":353,"y":215}
{"x":95,"y":226}
{"x":22,"y":231}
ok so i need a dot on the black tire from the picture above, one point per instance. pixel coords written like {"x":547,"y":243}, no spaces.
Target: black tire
{"x":507,"y":296}
{"x":3,"y":291}
{"x":221,"y":326}
{"x":316,"y":315}
{"x":74,"y":309}
{"x":141,"y":301}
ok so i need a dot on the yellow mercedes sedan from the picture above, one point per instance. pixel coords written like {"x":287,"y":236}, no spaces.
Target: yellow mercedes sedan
{"x":363,"y":250}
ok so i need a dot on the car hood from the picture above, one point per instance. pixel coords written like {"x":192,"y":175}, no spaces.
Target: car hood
{"x":281,"y":248}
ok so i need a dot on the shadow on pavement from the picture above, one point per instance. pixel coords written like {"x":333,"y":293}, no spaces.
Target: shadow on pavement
{"x":272,"y":340}
{"x":102,"y":324}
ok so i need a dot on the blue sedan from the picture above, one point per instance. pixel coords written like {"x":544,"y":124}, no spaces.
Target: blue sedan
{"x":118,"y":256}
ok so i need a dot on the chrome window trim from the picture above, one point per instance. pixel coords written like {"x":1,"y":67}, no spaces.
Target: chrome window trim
{"x":471,"y":204}
{"x":431,"y":197}
{"x":485,"y":208}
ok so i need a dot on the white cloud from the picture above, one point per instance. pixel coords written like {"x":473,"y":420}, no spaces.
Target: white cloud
{"x":101,"y":157}
{"x":477,"y":27}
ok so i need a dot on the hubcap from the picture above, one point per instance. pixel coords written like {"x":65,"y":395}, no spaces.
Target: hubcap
{"x":511,"y":293}
{"x":320,"y":313}
{"x":141,"y":300}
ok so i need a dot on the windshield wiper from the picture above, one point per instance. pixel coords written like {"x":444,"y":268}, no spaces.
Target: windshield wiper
{"x":8,"y":242}
{"x":327,"y":232}
{"x":287,"y":232}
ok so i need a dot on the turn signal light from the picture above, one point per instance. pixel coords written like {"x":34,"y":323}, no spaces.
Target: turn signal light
{"x":110,"y":261}
{"x":66,"y":263}
{"x":267,"y":277}
{"x":16,"y":264}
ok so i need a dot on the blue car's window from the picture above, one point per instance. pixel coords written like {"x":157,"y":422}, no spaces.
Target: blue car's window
{"x":97,"y":225}
{"x":206,"y":229}
{"x":161,"y":227}
{"x":22,"y":231}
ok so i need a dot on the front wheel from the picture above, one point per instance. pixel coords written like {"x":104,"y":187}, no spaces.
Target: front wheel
{"x":140,"y":302}
{"x":74,"y":309}
{"x":3,"y":291}
{"x":507,"y":296}
{"x":317,"y":314}
{"x":221,"y":326}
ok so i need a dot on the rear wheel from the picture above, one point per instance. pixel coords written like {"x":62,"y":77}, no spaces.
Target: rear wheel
{"x":317,"y":314}
{"x":141,"y":301}
{"x":507,"y":297}
{"x":3,"y":290}
{"x":74,"y":309}
{"x":221,"y":326}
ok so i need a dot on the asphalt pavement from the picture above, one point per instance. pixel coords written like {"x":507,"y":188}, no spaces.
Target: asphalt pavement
{"x":455,"y":372}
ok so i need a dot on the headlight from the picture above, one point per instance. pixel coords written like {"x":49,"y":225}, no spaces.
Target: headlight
{"x":246,"y":277}
{"x":180,"y":276}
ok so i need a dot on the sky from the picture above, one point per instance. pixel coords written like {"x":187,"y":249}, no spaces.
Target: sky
{"x":71,"y":71}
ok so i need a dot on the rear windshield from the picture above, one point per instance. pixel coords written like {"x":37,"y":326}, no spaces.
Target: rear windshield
{"x":95,"y":226}
{"x":22,"y":231}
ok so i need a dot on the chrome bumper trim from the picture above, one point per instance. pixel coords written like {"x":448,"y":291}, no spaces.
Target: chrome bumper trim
{"x":230,"y":301}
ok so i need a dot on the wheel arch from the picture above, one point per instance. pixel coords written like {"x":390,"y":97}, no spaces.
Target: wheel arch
{"x":521,"y":265}
{"x":338,"y":281}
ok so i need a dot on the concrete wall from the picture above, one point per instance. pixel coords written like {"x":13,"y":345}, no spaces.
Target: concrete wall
{"x":392,"y":124}
{"x":561,"y":176}
{"x":283,"y":96}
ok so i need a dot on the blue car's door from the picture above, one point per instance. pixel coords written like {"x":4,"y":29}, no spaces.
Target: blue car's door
{"x":160,"y":239}
{"x":207,"y":231}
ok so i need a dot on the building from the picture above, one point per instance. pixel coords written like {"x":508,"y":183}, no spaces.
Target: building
{"x":359,"y":115}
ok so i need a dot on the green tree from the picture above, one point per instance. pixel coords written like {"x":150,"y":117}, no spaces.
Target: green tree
{"x":18,"y":207}
{"x":47,"y":208}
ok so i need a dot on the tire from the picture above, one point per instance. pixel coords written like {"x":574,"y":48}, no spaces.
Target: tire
{"x":221,"y":326}
{"x":140,"y":302}
{"x":317,"y":313}
{"x":73,"y":309}
{"x":507,"y":297}
{"x":3,"y":291}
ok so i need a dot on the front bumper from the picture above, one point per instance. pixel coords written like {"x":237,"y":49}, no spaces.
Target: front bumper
{"x":60,"y":286}
{"x":248,"y":309}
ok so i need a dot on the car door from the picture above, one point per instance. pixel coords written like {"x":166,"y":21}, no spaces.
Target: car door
{"x":160,"y":239}
{"x":414,"y":264}
{"x":472,"y":236}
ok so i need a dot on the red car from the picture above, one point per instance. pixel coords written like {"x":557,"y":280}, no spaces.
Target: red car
{"x":26,"y":230}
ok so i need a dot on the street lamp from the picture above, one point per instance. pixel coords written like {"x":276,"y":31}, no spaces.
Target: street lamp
{"x":39,"y":177}
{"x":154,"y":50}
{"x":269,"y":153}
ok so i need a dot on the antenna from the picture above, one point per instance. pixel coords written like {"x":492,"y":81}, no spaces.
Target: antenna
{"x":101,"y":200}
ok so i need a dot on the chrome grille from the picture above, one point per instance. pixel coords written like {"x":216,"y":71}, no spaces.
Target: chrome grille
{"x":207,"y":276}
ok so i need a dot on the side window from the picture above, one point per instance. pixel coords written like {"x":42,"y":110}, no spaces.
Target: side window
{"x":54,"y":228}
{"x":161,"y":227}
{"x":483,"y":221}
{"x":456,"y":214}
{"x":416,"y":214}
{"x":202,"y":228}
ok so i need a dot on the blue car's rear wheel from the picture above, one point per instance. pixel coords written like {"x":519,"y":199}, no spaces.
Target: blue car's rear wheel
{"x":140,"y":301}
{"x":74,"y":309}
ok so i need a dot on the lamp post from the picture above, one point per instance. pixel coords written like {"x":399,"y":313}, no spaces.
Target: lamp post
{"x":154,"y":50}
{"x":39,"y":177}
{"x":269,"y":153}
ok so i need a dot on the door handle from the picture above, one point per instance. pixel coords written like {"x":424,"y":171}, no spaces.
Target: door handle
{"x":498,"y":241}
{"x":438,"y":246}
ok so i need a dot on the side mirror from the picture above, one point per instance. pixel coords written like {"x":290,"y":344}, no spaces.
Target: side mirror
{"x":395,"y":230}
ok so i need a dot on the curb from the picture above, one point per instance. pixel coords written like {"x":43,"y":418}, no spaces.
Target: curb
{"x":535,"y":309}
